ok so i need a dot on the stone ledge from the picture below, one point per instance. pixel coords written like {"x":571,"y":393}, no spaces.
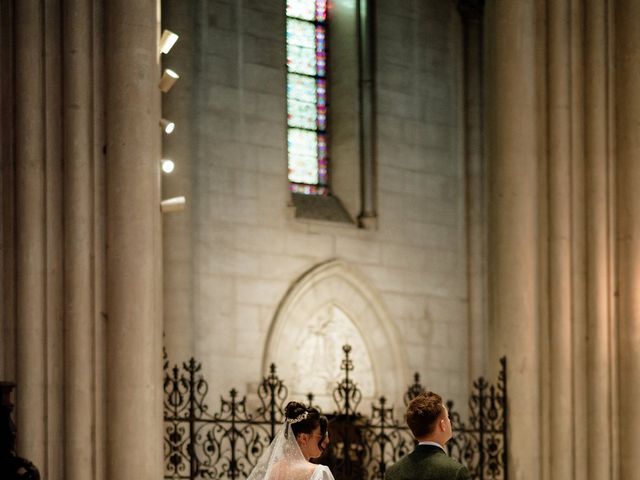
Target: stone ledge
{"x":318,"y":207}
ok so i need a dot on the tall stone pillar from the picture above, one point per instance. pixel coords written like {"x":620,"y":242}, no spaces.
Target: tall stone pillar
{"x":578,"y":240}
{"x":78,"y":238}
{"x":597,"y":227}
{"x":134,"y":324}
{"x":559,"y":174}
{"x":30,"y":249}
{"x":55,"y":242}
{"x":513,"y":253}
{"x":99,"y":239}
{"x":7,"y":199}
{"x":177,"y":106}
{"x":627,"y":68}
{"x":471,"y":12}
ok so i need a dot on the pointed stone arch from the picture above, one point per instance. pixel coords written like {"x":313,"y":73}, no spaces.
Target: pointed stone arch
{"x":336,"y":284}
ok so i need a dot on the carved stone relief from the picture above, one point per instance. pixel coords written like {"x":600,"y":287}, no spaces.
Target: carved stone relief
{"x":318,"y":354}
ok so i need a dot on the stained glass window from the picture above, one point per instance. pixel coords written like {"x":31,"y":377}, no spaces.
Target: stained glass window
{"x":307,"y":96}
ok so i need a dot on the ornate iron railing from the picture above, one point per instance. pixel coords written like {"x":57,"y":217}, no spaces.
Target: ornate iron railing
{"x":202,"y":444}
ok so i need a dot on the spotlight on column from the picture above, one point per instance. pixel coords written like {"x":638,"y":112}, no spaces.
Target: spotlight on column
{"x":169,"y":77}
{"x":167,"y":41}
{"x":175,"y":204}
{"x":167,"y":125}
{"x":168,"y":165}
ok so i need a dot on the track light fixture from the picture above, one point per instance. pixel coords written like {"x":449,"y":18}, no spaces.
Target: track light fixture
{"x":167,"y":165}
{"x":167,"y":125}
{"x":175,"y":204}
{"x":167,"y":41}
{"x":169,"y":77}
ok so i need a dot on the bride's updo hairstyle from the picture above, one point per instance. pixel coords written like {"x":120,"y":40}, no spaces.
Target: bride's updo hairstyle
{"x":304,"y":419}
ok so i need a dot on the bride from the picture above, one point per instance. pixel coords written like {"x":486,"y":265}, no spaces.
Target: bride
{"x":302,"y":437}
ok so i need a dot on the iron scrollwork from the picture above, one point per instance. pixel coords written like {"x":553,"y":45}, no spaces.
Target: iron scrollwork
{"x":226,"y":444}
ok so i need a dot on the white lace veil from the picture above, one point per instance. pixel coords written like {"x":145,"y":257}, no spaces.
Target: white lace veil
{"x":283,"y":459}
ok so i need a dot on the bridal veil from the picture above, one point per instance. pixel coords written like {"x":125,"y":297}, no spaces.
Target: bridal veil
{"x":283,"y":460}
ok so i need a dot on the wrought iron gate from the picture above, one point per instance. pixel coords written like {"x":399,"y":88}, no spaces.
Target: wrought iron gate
{"x":200,"y":443}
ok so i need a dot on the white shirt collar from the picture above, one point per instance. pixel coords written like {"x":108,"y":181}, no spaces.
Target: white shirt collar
{"x":435,"y":444}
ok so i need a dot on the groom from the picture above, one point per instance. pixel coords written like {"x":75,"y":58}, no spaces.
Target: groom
{"x":429,"y":422}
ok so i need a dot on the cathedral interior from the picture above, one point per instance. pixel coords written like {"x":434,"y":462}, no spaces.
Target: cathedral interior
{"x":436,"y":183}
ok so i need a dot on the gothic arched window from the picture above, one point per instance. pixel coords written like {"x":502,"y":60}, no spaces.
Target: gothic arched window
{"x":307,"y":96}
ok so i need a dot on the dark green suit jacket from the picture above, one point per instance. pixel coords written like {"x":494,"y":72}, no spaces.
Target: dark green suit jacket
{"x":427,"y":462}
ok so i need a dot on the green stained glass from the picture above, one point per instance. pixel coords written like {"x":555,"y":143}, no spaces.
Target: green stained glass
{"x":301,"y":60}
{"x":302,"y":34}
{"x":303,"y":160}
{"x":305,"y":9}
{"x":303,"y":169}
{"x":302,"y":142}
{"x":301,"y":87}
{"x":302,"y":114}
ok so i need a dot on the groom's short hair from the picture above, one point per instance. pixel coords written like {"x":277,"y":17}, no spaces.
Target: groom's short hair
{"x":423,"y":412}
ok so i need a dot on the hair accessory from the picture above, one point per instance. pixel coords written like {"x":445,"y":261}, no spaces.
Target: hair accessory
{"x":299,"y":418}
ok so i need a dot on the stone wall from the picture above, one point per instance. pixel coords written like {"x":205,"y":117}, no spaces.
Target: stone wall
{"x":247,"y":247}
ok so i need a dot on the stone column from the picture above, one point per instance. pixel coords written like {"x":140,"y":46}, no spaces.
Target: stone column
{"x":99,"y":237}
{"x":30,"y":214}
{"x":134,"y":325}
{"x":177,"y":106}
{"x":471,"y":12}
{"x":627,"y":68}
{"x":597,"y":224}
{"x":513,"y":254}
{"x":366,"y":113}
{"x":559,"y":174}
{"x":78,"y":238}
{"x":55,"y":249}
{"x":578,"y":242}
{"x":7,"y":189}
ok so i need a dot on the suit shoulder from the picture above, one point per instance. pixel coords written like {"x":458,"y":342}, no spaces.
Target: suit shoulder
{"x":453,"y":466}
{"x":392,"y":471}
{"x":433,"y":465}
{"x":451,"y":462}
{"x":450,"y":467}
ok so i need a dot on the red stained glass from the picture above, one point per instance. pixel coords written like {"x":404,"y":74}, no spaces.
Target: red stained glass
{"x":321,"y":10}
